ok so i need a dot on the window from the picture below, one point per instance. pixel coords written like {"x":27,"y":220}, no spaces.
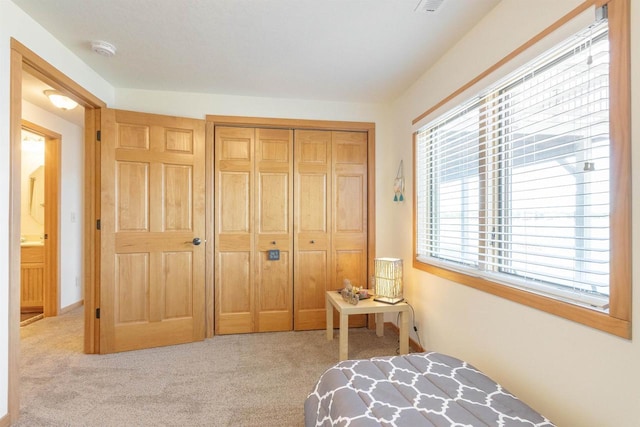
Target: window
{"x":513,"y":186}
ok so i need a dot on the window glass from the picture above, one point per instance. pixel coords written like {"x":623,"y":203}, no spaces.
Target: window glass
{"x":513,"y":185}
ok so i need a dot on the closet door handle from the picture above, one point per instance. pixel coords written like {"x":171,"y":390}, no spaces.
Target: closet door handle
{"x":312,"y":242}
{"x":273,"y":242}
{"x":196,"y":241}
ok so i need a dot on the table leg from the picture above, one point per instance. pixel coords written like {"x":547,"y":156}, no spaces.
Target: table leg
{"x":329,"y":318}
{"x":344,"y":336}
{"x":380,"y":324}
{"x":404,"y":332}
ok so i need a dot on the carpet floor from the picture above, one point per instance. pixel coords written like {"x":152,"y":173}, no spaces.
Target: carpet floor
{"x":229,"y":380}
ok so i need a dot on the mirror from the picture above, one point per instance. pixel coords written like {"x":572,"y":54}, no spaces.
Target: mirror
{"x":33,"y":193}
{"x":36,"y":195}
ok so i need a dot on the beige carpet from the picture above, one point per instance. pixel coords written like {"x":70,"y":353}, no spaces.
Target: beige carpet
{"x":232,"y":380}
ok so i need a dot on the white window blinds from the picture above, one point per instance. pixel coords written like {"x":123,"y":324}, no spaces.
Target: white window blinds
{"x":513,"y":185}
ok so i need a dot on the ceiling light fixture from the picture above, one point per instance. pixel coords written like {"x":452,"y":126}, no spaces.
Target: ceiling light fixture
{"x":103,"y":48}
{"x":61,"y":101}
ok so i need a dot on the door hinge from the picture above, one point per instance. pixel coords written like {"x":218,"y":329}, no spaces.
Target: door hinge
{"x":99,"y":136}
{"x":98,"y":224}
{"x":97,"y":313}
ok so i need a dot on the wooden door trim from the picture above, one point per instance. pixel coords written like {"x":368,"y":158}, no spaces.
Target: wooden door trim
{"x":53,"y":141}
{"x":275,"y":122}
{"x":244,"y":121}
{"x":21,"y":59}
{"x":38,"y":67}
{"x":209,"y":276}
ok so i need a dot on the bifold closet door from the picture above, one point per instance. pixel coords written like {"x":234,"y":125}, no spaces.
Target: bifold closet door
{"x":234,"y":237}
{"x":330,"y":220}
{"x":274,"y":230}
{"x":312,"y":219}
{"x":254,"y":216}
{"x":349,"y":212}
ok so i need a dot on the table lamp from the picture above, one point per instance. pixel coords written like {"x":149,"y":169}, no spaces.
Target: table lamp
{"x":388,"y":280}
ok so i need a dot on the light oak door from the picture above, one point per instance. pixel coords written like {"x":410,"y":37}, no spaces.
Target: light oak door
{"x":234,"y":236}
{"x":312,"y":241}
{"x":330,"y":220}
{"x":274,"y":229}
{"x":152,"y":290}
{"x":349,"y":212}
{"x":253,"y":216}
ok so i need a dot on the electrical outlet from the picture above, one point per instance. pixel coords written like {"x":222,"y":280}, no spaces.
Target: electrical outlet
{"x":73,"y":218}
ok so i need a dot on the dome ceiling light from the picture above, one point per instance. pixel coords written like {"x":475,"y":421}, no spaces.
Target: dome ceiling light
{"x":60,"y":100}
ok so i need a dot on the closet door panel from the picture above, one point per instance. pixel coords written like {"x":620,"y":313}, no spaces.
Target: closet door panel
{"x":312,"y":202}
{"x":349,"y":215}
{"x":311,"y":281}
{"x":273,"y":203}
{"x":350,"y":188}
{"x":312,"y":228}
{"x":274,"y":229}
{"x":235,"y":206}
{"x":274,"y":294}
{"x":234,"y":234}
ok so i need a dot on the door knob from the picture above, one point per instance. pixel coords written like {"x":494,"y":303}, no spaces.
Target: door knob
{"x":313,"y":241}
{"x":196,"y":241}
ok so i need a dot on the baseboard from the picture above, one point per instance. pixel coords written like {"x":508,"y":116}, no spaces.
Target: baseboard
{"x":72,"y":307}
{"x":5,"y":421}
{"x":413,"y":346}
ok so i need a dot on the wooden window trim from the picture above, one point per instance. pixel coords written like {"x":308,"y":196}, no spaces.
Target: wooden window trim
{"x":618,"y":320}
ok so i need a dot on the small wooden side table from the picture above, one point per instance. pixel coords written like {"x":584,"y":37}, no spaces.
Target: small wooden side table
{"x":365,"y":306}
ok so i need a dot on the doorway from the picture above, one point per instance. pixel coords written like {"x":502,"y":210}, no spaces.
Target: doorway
{"x":24,"y":62}
{"x":39,"y":223}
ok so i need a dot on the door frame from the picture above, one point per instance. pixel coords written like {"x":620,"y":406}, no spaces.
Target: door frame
{"x":216,"y":120}
{"x":24,"y":59}
{"x":53,"y":140}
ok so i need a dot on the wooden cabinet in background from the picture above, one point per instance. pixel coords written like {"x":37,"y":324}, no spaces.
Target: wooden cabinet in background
{"x":32,"y":278}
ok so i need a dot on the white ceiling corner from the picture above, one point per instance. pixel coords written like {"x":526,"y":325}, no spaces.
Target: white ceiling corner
{"x":366,"y":51}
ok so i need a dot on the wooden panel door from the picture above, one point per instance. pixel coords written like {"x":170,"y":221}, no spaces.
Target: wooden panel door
{"x":349,"y":214}
{"x":152,"y":198}
{"x":234,"y":230}
{"x":312,"y":237}
{"x":274,"y":229}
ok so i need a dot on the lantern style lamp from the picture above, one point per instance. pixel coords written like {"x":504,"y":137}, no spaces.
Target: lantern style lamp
{"x":388,"y":280}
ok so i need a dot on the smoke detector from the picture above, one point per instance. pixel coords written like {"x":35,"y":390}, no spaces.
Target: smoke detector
{"x":429,"y":6}
{"x":103,"y":48}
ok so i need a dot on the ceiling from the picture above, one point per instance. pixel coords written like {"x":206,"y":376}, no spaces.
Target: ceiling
{"x":367,"y":51}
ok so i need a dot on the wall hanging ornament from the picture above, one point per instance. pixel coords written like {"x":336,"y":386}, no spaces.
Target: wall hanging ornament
{"x":398,"y":185}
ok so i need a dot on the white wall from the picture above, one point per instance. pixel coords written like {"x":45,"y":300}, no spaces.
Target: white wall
{"x":71,"y":199}
{"x":15,"y":23}
{"x":575,"y":375}
{"x":197,"y":105}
